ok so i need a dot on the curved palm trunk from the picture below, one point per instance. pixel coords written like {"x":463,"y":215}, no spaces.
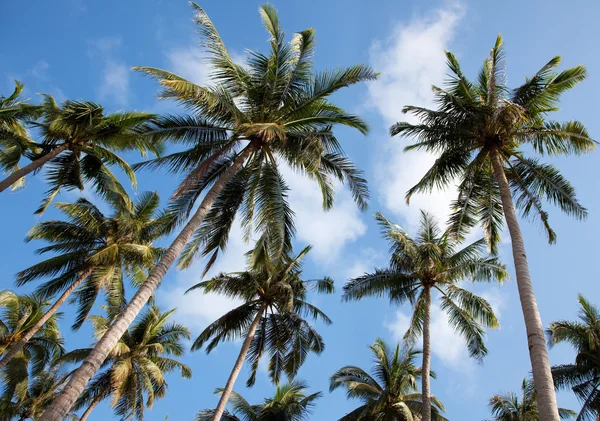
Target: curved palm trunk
{"x":239,"y":363}
{"x":538,"y":353}
{"x":90,"y":408}
{"x":34,"y":165}
{"x":425,"y":374}
{"x":80,"y":378}
{"x":16,"y":347}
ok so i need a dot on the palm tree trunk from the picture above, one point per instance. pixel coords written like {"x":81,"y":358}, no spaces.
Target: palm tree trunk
{"x":425,"y":371}
{"x":538,"y":353}
{"x":238,"y":365}
{"x":90,"y":408}
{"x":80,"y":378}
{"x":34,"y":165}
{"x":16,"y":347}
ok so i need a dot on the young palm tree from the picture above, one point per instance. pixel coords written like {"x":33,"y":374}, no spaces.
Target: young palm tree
{"x":78,"y":142}
{"x":583,"y":376}
{"x":137,"y":365}
{"x":93,"y":252}
{"x":276,"y":109}
{"x":508,"y":407}
{"x":19,"y":314}
{"x":270,"y":319}
{"x":481,"y":131}
{"x":290,"y":403}
{"x":433,"y":263}
{"x":15,"y":141}
{"x":391,"y":393}
{"x":28,"y":402}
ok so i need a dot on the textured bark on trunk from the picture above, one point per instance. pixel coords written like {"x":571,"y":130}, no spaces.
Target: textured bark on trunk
{"x":536,"y":340}
{"x":426,"y":411}
{"x":34,"y":165}
{"x":90,"y":408}
{"x":239,"y":363}
{"x":80,"y":378}
{"x":17,"y":346}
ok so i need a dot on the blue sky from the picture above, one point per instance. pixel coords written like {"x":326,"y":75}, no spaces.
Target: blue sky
{"x":84,"y":50}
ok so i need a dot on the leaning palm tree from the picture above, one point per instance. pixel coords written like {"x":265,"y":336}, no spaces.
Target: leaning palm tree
{"x":15,"y":141}
{"x":391,"y":393}
{"x":19,"y":314}
{"x":508,"y":407}
{"x":93,"y":252}
{"x":583,"y":376}
{"x":290,"y":403}
{"x":483,"y":132}
{"x":241,"y":127}
{"x":79,"y":141}
{"x":271,"y":319}
{"x":136,"y":368}
{"x":428,"y":264}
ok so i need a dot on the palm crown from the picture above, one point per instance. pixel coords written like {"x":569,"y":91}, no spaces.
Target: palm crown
{"x":136,"y":367}
{"x":477,"y":121}
{"x":276,"y":108}
{"x":391,"y":393}
{"x":272,"y":290}
{"x":508,"y":407}
{"x":583,"y":376}
{"x":83,"y":141}
{"x":103,"y":249}
{"x":290,"y":403}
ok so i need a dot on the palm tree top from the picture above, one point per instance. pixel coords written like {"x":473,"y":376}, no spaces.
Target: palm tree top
{"x":476,"y":120}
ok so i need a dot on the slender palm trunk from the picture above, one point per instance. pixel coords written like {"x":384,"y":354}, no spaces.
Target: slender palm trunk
{"x":536,"y":340}
{"x":80,"y":378}
{"x":90,"y":408}
{"x":34,"y":165}
{"x":425,"y":371}
{"x":17,"y":346}
{"x":239,"y":363}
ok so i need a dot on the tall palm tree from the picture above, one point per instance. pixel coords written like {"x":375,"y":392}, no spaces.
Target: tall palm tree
{"x":271,"y":319}
{"x":508,"y":407}
{"x":290,"y":403}
{"x":481,"y":131}
{"x":583,"y":376}
{"x":19,"y":314}
{"x":79,"y":141}
{"x":391,"y":394}
{"x":433,"y":263}
{"x":136,"y":368}
{"x":92,"y":252}
{"x":277,"y":108}
{"x":29,"y":401}
{"x":15,"y":141}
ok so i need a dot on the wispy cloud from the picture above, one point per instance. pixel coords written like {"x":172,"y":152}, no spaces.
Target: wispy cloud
{"x":115,"y":78}
{"x":411,"y":60}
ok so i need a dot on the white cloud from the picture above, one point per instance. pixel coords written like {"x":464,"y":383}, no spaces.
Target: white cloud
{"x":411,"y":60}
{"x":190,"y":63}
{"x":365,"y":261}
{"x":115,"y":77}
{"x":328,"y":232}
{"x":40,"y":70}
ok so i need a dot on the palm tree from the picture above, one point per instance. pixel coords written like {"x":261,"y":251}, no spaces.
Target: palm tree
{"x":19,"y":314}
{"x":93,"y":252}
{"x":583,"y":376}
{"x":508,"y":407}
{"x":290,"y":403}
{"x":433,"y":263}
{"x":277,"y":108}
{"x":15,"y":141}
{"x":136,"y":368}
{"x":21,"y":403}
{"x":270,"y":319}
{"x":79,"y":140}
{"x":391,"y":393}
{"x":481,"y":131}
